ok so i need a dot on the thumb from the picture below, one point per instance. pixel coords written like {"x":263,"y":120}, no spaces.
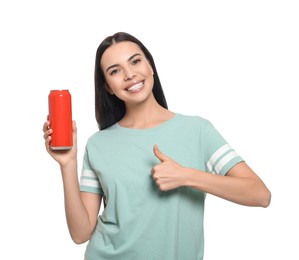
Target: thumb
{"x":162,"y":157}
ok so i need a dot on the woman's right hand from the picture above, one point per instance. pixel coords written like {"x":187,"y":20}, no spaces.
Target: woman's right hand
{"x":63,"y":157}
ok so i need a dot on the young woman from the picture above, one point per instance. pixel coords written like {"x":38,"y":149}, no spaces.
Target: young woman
{"x":151,"y":167}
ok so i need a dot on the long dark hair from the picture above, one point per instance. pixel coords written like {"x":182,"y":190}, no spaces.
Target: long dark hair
{"x":109,"y":109}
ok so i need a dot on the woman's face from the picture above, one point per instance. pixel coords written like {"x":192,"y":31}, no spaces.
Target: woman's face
{"x":128,"y":73}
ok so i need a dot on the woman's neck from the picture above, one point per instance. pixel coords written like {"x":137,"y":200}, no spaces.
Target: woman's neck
{"x":145,"y":115}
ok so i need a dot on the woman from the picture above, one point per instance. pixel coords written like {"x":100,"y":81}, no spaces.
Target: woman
{"x":151,"y":167}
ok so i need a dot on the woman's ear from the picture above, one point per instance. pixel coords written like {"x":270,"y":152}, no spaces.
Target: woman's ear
{"x":108,"y":89}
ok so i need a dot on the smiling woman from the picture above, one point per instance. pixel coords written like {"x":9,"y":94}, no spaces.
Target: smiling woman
{"x":131,"y":74}
{"x":110,"y":108}
{"x":154,"y":200}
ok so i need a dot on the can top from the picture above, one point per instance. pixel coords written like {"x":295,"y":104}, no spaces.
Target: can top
{"x":63,"y":92}
{"x":54,"y":90}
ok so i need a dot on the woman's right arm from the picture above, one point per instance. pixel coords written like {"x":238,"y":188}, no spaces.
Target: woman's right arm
{"x":81,"y":208}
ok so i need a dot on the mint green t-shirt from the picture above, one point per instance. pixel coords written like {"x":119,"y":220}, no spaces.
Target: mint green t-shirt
{"x":140,"y":222}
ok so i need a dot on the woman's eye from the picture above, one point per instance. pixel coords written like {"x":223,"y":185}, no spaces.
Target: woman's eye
{"x":112,"y":72}
{"x":136,"y":61}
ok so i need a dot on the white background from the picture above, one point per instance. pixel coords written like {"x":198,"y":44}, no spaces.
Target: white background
{"x":233,"y":62}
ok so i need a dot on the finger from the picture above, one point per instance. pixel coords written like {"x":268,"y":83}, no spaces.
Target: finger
{"x":47,"y":143}
{"x":162,"y":157}
{"x":74,"y":127}
{"x":46,"y":126}
{"x":47,"y":133}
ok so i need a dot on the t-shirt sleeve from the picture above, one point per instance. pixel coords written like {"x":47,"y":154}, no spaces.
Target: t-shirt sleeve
{"x":219,"y":155}
{"x":89,"y":181}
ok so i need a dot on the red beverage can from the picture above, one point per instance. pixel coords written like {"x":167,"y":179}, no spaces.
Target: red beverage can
{"x":60,"y":117}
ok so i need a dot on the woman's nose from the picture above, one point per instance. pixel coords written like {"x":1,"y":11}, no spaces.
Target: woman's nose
{"x":129,"y":74}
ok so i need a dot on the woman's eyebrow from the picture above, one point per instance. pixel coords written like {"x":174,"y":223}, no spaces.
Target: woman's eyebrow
{"x":116,"y":65}
{"x":133,"y":56}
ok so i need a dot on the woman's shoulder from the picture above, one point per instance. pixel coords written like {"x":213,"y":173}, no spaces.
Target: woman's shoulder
{"x":193,"y":119}
{"x":101,"y":134}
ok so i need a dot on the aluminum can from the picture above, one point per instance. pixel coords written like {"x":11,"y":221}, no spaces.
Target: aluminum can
{"x":60,"y":117}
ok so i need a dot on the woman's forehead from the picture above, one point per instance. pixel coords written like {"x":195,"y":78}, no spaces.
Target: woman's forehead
{"x":120,"y":52}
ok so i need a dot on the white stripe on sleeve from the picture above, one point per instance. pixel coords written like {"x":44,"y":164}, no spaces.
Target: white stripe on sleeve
{"x":222,"y":150}
{"x":219,"y":166}
{"x":90,"y":183}
{"x":89,"y":178}
{"x":88,"y":173}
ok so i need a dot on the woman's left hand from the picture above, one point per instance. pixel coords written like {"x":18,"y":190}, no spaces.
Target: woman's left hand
{"x":167,"y":174}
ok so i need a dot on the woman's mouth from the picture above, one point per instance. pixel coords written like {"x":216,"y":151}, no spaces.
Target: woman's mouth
{"x":135,"y":87}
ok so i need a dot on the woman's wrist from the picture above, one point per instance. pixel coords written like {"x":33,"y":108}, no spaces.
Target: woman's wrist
{"x":191,"y":177}
{"x":69,"y":166}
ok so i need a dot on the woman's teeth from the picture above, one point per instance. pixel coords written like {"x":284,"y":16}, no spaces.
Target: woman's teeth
{"x":135,"y":87}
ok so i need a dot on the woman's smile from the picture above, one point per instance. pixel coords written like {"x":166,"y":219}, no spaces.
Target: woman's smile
{"x":136,"y":87}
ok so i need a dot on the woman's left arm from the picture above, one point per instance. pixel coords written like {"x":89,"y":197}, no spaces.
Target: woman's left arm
{"x":240,"y":185}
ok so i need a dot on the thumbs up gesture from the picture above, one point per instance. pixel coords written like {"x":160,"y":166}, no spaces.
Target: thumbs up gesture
{"x":167,"y":174}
